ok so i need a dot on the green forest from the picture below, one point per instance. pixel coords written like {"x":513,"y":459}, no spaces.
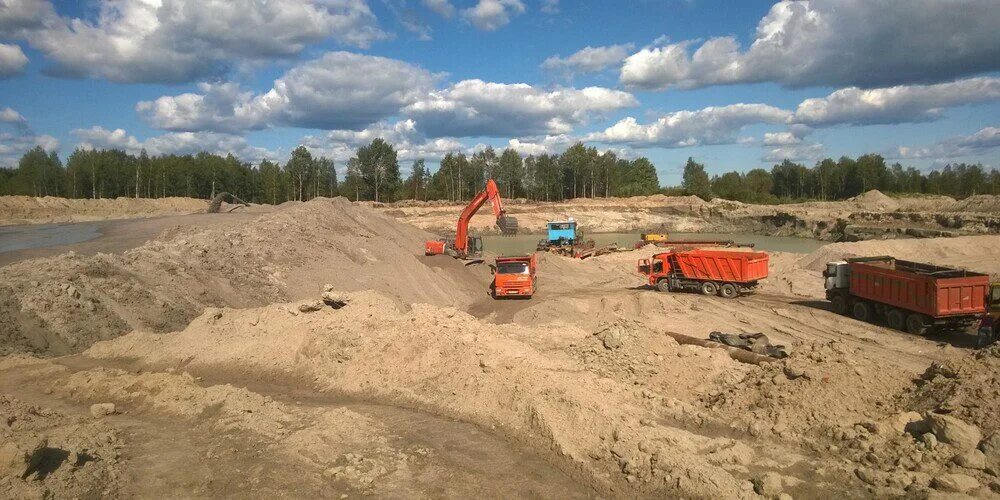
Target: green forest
{"x":836,"y":180}
{"x":373,"y":173}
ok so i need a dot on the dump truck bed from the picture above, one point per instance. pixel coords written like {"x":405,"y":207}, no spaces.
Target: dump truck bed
{"x":721,"y":265}
{"x":936,"y":291}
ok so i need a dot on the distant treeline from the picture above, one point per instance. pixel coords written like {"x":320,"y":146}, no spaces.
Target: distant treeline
{"x":372,"y":174}
{"x":836,"y":180}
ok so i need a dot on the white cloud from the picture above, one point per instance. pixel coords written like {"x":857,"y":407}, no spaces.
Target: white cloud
{"x":410,"y":144}
{"x":220,"y":108}
{"x":588,"y":60}
{"x":491,"y":15}
{"x":17,"y":137}
{"x":182,"y":40}
{"x":472,"y":108}
{"x":905,"y":103}
{"x":550,"y":6}
{"x":8,"y":115}
{"x":180,"y":143}
{"x":862,"y":43}
{"x":13,"y":146}
{"x":12,"y":60}
{"x":549,"y":144}
{"x":19,"y":17}
{"x":793,"y":152}
{"x":680,"y":129}
{"x":340,"y":90}
{"x":781,"y":139}
{"x":444,"y":8}
{"x":970,"y":145}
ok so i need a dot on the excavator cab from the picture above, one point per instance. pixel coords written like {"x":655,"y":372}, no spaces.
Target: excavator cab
{"x":475,"y":248}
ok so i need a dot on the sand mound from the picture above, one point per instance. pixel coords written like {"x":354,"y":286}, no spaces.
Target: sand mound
{"x":63,"y":304}
{"x":30,"y":210}
{"x":499,"y":377}
{"x":967,"y":388}
{"x":875,"y":200}
{"x":983,"y":203}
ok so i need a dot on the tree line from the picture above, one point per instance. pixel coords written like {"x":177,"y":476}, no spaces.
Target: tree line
{"x":839,"y":179}
{"x":373,"y":173}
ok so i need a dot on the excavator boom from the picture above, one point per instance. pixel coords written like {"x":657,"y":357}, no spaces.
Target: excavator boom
{"x":506,"y":223}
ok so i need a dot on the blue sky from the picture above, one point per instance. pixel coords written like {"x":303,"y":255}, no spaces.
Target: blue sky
{"x":737,"y":85}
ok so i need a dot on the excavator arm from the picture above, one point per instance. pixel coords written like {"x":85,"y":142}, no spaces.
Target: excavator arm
{"x":506,"y":223}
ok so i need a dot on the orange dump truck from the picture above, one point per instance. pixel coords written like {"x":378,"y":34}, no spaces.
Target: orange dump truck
{"x":514,"y":276}
{"x":726,"y":273}
{"x":908,"y":295}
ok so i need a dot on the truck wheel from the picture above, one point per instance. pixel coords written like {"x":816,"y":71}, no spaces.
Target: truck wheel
{"x":916,"y":324}
{"x":862,"y":311}
{"x":839,"y":304}
{"x":709,"y":288}
{"x":663,"y":285}
{"x":896,"y":319}
{"x":728,"y":291}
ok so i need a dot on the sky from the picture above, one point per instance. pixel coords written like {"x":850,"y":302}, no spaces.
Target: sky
{"x":735,"y":85}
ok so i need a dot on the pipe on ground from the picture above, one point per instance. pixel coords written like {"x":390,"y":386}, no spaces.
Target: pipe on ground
{"x":736,"y":353}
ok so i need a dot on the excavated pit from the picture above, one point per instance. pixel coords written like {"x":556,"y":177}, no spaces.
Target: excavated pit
{"x":421,"y":385}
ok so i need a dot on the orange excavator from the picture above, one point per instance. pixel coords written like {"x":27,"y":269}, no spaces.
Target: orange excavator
{"x":471,"y":247}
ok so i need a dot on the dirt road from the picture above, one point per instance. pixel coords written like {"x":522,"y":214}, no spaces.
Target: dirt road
{"x":216,"y":349}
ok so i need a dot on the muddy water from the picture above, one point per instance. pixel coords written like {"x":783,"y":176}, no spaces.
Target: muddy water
{"x":526,"y":242}
{"x":46,"y":235}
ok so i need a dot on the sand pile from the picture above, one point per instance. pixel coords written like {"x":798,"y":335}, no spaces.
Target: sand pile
{"x":31,"y":210}
{"x":875,"y":200}
{"x":63,"y":304}
{"x":982,"y":203}
{"x":968,"y":388}
{"x":595,"y":407}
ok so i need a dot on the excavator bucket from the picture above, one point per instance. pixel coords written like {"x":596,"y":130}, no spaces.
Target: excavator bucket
{"x":507,"y":225}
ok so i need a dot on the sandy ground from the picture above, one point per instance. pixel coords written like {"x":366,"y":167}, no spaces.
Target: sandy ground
{"x":50,"y":209}
{"x":872,"y":215}
{"x":119,"y":235}
{"x":215,"y":348}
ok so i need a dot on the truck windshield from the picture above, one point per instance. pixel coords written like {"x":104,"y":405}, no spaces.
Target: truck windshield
{"x":560,"y":225}
{"x":512,"y":268}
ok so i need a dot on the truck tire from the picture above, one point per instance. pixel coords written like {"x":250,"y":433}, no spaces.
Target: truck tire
{"x":862,"y":311}
{"x":728,"y":291}
{"x":896,"y":319}
{"x":839,"y":304}
{"x":709,"y":288}
{"x":663,"y":285}
{"x":916,"y":324}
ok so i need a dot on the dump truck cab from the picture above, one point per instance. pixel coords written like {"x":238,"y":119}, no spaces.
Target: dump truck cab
{"x":514,"y":276}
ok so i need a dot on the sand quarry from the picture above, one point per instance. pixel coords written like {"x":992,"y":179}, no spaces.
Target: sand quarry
{"x":311,"y":349}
